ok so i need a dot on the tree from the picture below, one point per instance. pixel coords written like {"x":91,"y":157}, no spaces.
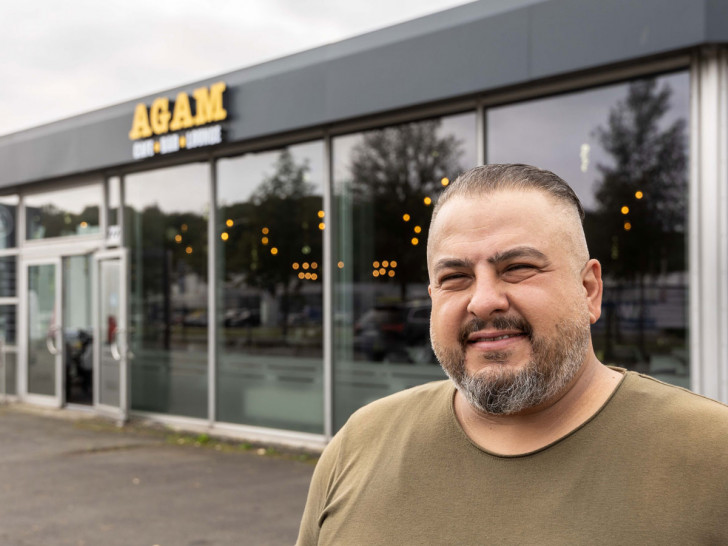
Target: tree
{"x":393,"y":171}
{"x":639,"y":225}
{"x":277,"y":227}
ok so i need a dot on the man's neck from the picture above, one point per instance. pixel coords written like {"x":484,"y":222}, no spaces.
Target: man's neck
{"x":534,"y":429}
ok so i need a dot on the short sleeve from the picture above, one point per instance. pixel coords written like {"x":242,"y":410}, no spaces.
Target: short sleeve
{"x":318,"y":492}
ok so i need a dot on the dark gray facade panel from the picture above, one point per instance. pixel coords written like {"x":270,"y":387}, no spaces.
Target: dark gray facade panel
{"x":575,"y":34}
{"x":454,"y":62}
{"x":716,"y":21}
{"x":55,"y":154}
{"x":463,"y":51}
{"x":283,"y":102}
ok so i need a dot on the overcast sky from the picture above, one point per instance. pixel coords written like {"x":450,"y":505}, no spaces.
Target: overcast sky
{"x":59,"y":59}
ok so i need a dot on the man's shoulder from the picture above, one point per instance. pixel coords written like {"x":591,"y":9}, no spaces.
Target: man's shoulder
{"x":667,"y":397}
{"x":678,"y":412}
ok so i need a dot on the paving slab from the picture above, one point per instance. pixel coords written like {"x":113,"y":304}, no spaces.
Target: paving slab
{"x":70,"y":479}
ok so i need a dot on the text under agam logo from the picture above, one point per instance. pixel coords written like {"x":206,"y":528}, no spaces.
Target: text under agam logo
{"x":195,"y":138}
{"x":164,"y":129}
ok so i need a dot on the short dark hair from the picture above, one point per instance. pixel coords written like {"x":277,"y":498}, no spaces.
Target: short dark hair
{"x":509,"y":176}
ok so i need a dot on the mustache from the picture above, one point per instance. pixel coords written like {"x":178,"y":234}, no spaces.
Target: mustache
{"x":498,"y":323}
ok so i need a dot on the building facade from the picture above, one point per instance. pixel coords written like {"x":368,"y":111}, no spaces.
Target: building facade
{"x":247,"y":253}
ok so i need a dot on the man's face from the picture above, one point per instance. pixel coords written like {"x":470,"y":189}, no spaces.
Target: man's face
{"x":510,"y":304}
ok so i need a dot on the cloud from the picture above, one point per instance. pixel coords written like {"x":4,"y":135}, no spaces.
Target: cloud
{"x":63,"y":58}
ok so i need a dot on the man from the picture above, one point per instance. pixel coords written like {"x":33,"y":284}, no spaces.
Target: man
{"x":533,"y":440}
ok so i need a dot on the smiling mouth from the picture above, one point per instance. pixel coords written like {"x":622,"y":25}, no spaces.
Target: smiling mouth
{"x":498,"y":337}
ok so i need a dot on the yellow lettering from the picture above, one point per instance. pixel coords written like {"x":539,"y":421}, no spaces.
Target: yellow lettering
{"x":208,"y":105}
{"x":159,"y":115}
{"x":182,"y":118}
{"x":140,"y":126}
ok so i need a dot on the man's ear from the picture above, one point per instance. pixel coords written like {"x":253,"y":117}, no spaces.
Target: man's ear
{"x":591,"y":279}
{"x":429,"y":290}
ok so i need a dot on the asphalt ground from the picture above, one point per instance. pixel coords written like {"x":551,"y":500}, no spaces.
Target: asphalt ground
{"x":68,"y":478}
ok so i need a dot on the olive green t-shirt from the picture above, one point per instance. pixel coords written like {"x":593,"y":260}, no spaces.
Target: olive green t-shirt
{"x":650,"y":467}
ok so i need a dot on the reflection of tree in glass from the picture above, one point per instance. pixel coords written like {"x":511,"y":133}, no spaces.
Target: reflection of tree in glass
{"x":393,"y":171}
{"x":174,"y":246}
{"x":277,"y":228}
{"x":55,"y":222}
{"x":638,"y":228}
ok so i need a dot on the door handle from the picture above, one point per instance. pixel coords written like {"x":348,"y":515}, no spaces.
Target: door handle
{"x":114,"y":348}
{"x":50,"y":341}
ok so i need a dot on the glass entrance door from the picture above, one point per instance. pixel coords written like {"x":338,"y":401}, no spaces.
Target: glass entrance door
{"x":110,"y":325}
{"x":44,"y":334}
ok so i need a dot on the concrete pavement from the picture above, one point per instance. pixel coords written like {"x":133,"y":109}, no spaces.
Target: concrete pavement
{"x":71,"y":479}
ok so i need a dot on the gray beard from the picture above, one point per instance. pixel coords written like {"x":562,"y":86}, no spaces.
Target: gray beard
{"x":501,"y":391}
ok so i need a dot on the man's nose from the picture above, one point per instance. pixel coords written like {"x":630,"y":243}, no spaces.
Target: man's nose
{"x":488,"y":296}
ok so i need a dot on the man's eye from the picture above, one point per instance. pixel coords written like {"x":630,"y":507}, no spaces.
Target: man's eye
{"x":519,"y":272}
{"x":516,"y":267}
{"x":451,"y":277}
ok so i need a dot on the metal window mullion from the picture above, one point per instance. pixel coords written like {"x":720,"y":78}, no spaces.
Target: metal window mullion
{"x":120,"y":216}
{"x":722,"y":213}
{"x":20,"y":223}
{"x":694,"y":251}
{"x":104,"y":216}
{"x":480,"y":135}
{"x":328,"y":285}
{"x":708,"y":241}
{"x":212,"y":297}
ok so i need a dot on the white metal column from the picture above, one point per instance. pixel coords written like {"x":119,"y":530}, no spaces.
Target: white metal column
{"x":709,"y":225}
{"x":213,"y":248}
{"x":328,"y":284}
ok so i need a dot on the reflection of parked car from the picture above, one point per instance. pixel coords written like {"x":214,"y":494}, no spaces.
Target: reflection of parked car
{"x":395,"y":333}
{"x":417,"y":322}
{"x":630,"y":357}
{"x":242,"y":317}
{"x":196,"y":318}
{"x":379,"y":333}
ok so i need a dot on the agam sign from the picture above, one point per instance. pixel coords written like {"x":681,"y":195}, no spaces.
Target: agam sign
{"x":165,"y":128}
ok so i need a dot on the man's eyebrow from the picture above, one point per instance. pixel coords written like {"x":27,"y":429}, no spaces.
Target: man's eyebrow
{"x":447,"y":263}
{"x":515,"y":253}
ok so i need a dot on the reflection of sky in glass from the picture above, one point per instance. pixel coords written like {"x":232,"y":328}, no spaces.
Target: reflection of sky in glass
{"x":239,"y":177}
{"x":71,"y":200}
{"x":114,"y":192}
{"x":551,"y":133}
{"x":173,"y":190}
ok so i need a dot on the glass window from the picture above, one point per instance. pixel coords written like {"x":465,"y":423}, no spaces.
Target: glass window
{"x":114,"y":198}
{"x":78,"y":334}
{"x":65,"y":212}
{"x":8,"y":219}
{"x":167,"y":214}
{"x":8,"y":276}
{"x":385,"y":184}
{"x":624,"y":149}
{"x":271,"y":221}
{"x":10,"y":367}
{"x":8,"y":354}
{"x":42,"y":325}
{"x":8,"y":326}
